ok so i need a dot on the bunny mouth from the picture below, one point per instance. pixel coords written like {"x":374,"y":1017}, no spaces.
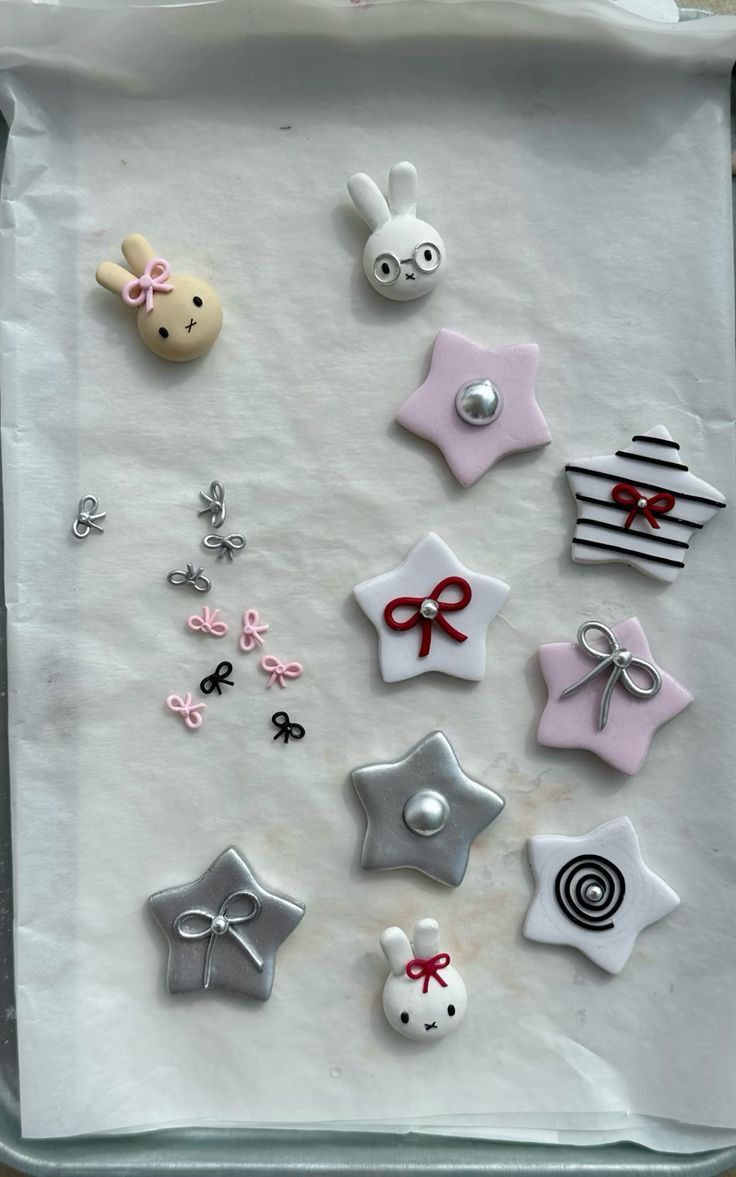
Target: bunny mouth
{"x":190,"y":324}
{"x":430,"y":1026}
{"x":410,"y":277}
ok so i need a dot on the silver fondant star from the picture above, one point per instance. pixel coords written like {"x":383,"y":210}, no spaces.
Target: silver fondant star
{"x":224,"y":929}
{"x":423,"y":811}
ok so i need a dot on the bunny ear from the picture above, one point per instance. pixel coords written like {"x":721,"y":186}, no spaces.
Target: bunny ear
{"x":402,"y":189}
{"x":112,"y":276}
{"x":396,"y":949}
{"x":369,"y":200}
{"x":137,"y":253}
{"x":426,"y":939}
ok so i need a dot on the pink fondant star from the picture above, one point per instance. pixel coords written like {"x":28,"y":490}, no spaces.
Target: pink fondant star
{"x":572,"y":722}
{"x":431,"y":412}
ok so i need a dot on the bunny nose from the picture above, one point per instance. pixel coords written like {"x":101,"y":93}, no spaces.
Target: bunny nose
{"x":410,"y":277}
{"x":190,"y":324}
{"x":430,"y":1025}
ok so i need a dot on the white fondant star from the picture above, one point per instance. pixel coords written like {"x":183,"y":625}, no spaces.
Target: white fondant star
{"x":454,"y":640}
{"x":595,"y":893}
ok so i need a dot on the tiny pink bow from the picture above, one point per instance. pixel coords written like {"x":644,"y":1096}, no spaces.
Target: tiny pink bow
{"x":188,"y":710}
{"x":279,"y":670}
{"x":251,"y":631}
{"x":147,"y":284}
{"x":208,"y":623}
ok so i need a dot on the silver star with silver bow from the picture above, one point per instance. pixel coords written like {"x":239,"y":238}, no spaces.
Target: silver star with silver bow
{"x":224,"y":929}
{"x":423,"y":811}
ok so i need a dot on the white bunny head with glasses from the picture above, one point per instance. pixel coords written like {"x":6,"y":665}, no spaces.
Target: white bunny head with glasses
{"x":403,"y":256}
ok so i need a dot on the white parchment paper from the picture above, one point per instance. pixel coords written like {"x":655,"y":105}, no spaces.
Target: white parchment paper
{"x":575,"y":158}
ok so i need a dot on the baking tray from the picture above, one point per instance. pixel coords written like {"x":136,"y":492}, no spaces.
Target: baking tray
{"x":230,"y":1152}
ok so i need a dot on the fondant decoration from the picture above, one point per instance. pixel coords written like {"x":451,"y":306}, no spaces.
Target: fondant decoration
{"x":253,"y":627}
{"x":224,"y":929}
{"x":477,"y":404}
{"x":278,"y":670}
{"x":218,"y":679}
{"x":614,"y":707}
{"x":617,"y":664}
{"x":189,"y":711}
{"x":286,"y":729}
{"x":423,"y":811}
{"x":595,"y":893}
{"x":179,"y":316}
{"x":88,"y":516}
{"x":403,"y":256}
{"x":194,"y":577}
{"x":424,"y":997}
{"x":639,"y":506}
{"x":224,"y":545}
{"x":214,"y":504}
{"x":208,"y":623}
{"x":431,"y":613}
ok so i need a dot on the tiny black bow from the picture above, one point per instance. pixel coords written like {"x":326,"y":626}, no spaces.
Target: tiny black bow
{"x":281,"y":720}
{"x":219,"y":675}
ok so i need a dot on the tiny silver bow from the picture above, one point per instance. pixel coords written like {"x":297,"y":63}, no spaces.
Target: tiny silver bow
{"x":214,"y":504}
{"x":226,"y":543}
{"x":86,"y":518}
{"x":194,"y":577}
{"x":222,"y":923}
{"x":616,"y":662}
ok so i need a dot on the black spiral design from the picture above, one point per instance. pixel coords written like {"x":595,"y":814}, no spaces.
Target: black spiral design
{"x":570,"y":885}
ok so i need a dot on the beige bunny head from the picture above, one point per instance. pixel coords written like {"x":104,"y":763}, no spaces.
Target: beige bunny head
{"x":179,"y":316}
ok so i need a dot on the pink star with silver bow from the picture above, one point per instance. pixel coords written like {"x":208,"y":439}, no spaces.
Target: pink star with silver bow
{"x":608,"y":696}
{"x":477,"y":404}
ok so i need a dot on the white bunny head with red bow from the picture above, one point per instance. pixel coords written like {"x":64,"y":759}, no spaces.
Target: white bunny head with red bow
{"x":179,"y":316}
{"x":424,"y":998}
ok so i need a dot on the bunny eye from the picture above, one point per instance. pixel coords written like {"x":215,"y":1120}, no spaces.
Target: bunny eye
{"x":386,"y":268}
{"x":163,"y":333}
{"x":451,"y":1010}
{"x":197,"y":301}
{"x":405,"y":1017}
{"x":427,"y":257}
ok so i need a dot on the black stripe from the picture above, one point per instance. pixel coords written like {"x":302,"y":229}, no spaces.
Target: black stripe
{"x":591,"y":543}
{"x":647,"y":485}
{"x":617,"y":507}
{"x":655,"y":440}
{"x":654,"y":461}
{"x":660,"y":539}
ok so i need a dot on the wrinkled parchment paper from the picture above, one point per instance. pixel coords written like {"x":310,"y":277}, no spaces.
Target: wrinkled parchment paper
{"x":575,"y":159}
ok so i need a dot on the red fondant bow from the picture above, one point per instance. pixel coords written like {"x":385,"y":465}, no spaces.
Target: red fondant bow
{"x":627,"y":495}
{"x":426,"y":622}
{"x":427,"y":968}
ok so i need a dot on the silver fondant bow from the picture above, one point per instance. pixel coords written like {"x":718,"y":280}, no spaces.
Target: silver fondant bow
{"x":194,"y":577}
{"x":222,"y":923}
{"x":616,"y":662}
{"x":86,"y":518}
{"x":227,"y":544}
{"x":214,"y":504}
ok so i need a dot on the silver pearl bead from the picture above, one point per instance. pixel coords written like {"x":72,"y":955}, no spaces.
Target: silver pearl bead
{"x":478,"y":402}
{"x":426,"y":813}
{"x":429,"y":609}
{"x":593,"y":893}
{"x":219,"y":925}
{"x":622,"y":659}
{"x":641,"y":503}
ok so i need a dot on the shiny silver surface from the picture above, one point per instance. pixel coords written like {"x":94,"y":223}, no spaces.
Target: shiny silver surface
{"x":224,"y":929}
{"x":429,"y":785}
{"x":478,"y":402}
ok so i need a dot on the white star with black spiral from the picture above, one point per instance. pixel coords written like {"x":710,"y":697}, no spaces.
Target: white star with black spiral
{"x":595,"y":893}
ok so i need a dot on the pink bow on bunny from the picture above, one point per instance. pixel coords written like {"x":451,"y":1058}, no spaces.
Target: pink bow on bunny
{"x":147,"y":284}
